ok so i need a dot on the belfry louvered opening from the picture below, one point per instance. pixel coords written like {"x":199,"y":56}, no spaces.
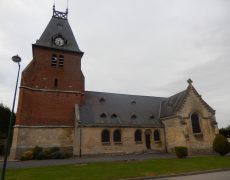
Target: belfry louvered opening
{"x":54,"y":61}
{"x":61,"y":61}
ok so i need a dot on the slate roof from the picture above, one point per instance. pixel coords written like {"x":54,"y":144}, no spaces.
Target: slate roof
{"x":109,"y":109}
{"x":170,"y":105}
{"x":58,"y":26}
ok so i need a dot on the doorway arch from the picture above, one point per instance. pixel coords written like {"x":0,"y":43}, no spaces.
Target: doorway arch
{"x":148,"y":133}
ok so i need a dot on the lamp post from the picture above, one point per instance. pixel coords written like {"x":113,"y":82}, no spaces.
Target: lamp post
{"x":17,"y":60}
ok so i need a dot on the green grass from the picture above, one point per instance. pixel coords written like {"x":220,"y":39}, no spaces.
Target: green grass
{"x":118,"y":170}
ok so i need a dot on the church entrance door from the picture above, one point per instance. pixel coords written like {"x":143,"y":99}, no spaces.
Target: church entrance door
{"x":147,"y":141}
{"x":148,"y":138}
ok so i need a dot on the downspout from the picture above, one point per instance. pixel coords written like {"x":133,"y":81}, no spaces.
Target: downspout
{"x":78,"y":121}
{"x":80,"y":139}
{"x":166,"y":149}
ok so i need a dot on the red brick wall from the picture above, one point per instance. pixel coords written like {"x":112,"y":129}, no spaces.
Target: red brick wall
{"x":40,"y":74}
{"x":50,"y":108}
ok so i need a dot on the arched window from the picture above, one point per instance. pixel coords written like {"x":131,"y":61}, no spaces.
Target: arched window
{"x":54,"y":61}
{"x":156,"y":135}
{"x":61,"y":61}
{"x":117,"y":135}
{"x":195,"y":123}
{"x":105,"y":136}
{"x":138,"y":135}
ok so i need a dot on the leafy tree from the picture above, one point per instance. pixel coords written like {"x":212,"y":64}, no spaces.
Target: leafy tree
{"x":5,"y":120}
{"x":225,"y":131}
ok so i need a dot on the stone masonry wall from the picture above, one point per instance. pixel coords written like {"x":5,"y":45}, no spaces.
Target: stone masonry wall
{"x":25,"y":138}
{"x":91,"y":141}
{"x":179,"y":128}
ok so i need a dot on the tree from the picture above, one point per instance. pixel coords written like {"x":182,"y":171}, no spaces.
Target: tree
{"x":5,"y":120}
{"x":225,"y":131}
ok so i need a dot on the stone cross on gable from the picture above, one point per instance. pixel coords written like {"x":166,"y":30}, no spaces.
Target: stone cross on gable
{"x":189,"y":81}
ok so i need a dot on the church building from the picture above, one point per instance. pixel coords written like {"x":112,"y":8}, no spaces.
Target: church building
{"x":55,"y":110}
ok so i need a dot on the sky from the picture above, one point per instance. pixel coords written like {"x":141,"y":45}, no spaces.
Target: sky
{"x":139,"y":47}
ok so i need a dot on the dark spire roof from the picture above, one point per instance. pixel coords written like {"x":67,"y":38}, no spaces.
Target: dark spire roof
{"x":59,"y":27}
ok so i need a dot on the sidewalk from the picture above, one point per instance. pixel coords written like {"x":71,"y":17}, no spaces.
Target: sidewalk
{"x":83,"y":160}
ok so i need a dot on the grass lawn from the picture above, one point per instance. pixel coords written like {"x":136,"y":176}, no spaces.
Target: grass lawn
{"x":118,"y":170}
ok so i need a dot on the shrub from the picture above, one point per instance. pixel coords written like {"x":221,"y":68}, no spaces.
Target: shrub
{"x":181,"y":151}
{"x":41,"y":155}
{"x":54,"y":149}
{"x":221,"y":145}
{"x":27,"y":155}
{"x":36,"y":150}
{"x":47,"y":154}
{"x":59,"y":155}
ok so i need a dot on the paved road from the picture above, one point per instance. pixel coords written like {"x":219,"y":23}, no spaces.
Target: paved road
{"x":223,"y":175}
{"x":77,"y":160}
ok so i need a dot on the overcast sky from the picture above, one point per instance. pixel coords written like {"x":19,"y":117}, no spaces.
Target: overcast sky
{"x":140,"y":47}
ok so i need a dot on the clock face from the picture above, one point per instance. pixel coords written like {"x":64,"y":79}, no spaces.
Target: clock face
{"x":59,"y":41}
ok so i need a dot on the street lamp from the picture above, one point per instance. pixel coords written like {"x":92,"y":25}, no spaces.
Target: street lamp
{"x":16,"y":59}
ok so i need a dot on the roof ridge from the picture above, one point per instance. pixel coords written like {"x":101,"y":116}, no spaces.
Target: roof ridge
{"x":124,"y":94}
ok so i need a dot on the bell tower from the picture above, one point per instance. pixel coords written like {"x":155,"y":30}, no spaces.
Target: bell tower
{"x":51,"y":85}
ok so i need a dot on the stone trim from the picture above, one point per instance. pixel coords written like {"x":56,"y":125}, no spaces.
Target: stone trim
{"x":52,"y":90}
{"x":119,"y":126}
{"x":25,"y":126}
{"x":170,"y":117}
{"x":181,"y":117}
{"x":190,"y":87}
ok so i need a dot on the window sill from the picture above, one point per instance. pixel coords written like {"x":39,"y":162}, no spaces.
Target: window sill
{"x":117,"y":143}
{"x":139,"y":142}
{"x":106,"y":143}
{"x":198,"y":134}
{"x":157,"y":142}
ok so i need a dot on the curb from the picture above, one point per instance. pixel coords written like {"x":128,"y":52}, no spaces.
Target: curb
{"x":177,"y":175}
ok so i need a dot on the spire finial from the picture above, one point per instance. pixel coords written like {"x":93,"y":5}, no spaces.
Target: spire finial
{"x":67,"y":9}
{"x":53,"y":7}
{"x":59,"y":14}
{"x":189,"y":81}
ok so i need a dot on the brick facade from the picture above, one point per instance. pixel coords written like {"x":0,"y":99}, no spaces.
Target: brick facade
{"x":40,"y":102}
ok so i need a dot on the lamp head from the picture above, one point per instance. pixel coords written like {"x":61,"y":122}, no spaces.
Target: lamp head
{"x":16,"y":59}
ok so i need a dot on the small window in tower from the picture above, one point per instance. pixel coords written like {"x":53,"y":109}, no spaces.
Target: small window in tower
{"x":55,"y":82}
{"x":61,"y":61}
{"x":54,"y":61}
